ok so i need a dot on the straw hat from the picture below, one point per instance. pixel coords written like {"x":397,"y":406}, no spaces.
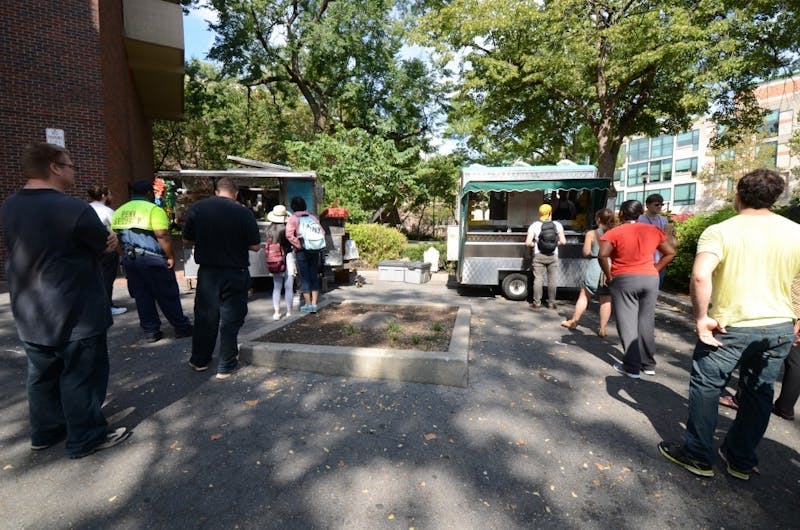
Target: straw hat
{"x":544,"y":212}
{"x":278,"y":214}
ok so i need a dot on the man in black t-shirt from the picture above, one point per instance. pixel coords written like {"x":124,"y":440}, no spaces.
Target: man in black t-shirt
{"x":61,"y":310}
{"x":222,"y":231}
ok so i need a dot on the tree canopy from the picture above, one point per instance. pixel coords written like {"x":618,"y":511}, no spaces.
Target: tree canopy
{"x":341,"y":58}
{"x":540,"y":75}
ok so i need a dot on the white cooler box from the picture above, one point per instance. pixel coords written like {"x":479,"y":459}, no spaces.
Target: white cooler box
{"x":391,"y":271}
{"x":417,"y":272}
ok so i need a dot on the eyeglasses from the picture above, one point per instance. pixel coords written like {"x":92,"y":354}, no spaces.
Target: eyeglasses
{"x":73,"y":167}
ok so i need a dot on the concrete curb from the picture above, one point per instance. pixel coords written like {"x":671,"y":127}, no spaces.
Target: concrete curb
{"x":439,"y":368}
{"x":680,"y":302}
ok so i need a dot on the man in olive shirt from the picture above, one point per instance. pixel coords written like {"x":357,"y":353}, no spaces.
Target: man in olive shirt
{"x":222,"y":231}
{"x":143,"y":230}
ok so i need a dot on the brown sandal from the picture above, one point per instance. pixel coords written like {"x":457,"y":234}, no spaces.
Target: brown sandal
{"x":569,"y":324}
{"x":729,"y":401}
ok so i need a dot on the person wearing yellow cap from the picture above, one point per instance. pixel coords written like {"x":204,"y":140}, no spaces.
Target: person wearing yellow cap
{"x":544,"y":237}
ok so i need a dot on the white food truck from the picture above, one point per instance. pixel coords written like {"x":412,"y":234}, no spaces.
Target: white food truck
{"x":495,"y":207}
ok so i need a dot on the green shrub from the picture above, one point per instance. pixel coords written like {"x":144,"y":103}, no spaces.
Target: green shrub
{"x":688,"y":231}
{"x":376,"y":242}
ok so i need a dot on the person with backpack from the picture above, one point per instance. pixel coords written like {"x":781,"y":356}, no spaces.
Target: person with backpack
{"x":544,"y":237}
{"x":280,"y":260}
{"x":307,"y":236}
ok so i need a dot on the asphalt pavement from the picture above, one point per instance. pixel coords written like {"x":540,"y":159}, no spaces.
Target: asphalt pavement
{"x":546,"y":435}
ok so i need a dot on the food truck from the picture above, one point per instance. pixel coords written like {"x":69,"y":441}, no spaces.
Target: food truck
{"x":495,"y":207}
{"x":260,"y":189}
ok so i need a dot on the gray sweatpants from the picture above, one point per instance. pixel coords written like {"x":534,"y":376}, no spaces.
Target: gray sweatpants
{"x":545,"y":265}
{"x":633,"y":298}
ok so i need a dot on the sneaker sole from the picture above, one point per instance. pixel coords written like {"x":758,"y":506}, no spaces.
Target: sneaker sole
{"x":735,"y":473}
{"x":688,"y":467}
{"x":198,"y":368}
{"x":622,"y":371}
{"x":114,"y":438}
{"x":226,"y":375}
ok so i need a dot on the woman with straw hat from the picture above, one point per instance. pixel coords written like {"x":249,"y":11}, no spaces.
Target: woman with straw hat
{"x":276,"y":233}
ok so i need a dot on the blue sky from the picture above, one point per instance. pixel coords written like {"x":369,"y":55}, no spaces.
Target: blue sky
{"x":196,"y":35}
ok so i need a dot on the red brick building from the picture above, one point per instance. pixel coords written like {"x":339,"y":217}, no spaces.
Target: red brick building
{"x":98,"y":71}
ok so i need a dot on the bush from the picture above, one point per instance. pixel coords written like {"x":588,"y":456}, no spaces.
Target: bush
{"x":415,"y":252}
{"x":688,"y":231}
{"x":377,"y":242}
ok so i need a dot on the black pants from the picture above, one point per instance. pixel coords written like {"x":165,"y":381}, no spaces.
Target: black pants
{"x":220,"y":305}
{"x":109,"y":263}
{"x":66,"y":388}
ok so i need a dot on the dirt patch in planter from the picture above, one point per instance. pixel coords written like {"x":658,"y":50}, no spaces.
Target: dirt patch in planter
{"x":426,"y":328}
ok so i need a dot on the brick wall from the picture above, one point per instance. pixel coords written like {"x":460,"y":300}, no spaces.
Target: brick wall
{"x":63,"y":65}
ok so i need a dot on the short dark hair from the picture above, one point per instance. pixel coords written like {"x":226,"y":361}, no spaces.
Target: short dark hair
{"x":298,"y":204}
{"x":96,"y":193}
{"x":37,"y":158}
{"x":226,"y":184}
{"x":760,"y":188}
{"x":654,"y":197}
{"x":630,"y":210}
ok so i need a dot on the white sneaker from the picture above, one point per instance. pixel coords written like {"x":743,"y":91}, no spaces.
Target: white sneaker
{"x":288,"y":314}
{"x":276,"y":316}
{"x":118,"y":310}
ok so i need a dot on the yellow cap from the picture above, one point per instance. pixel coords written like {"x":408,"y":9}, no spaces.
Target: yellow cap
{"x":544,"y":211}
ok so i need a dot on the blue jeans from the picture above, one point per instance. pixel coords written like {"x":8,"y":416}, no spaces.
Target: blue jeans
{"x":308,"y":262}
{"x":220,"y":305}
{"x":66,"y":388}
{"x":759,"y":353}
{"x":150,"y":281}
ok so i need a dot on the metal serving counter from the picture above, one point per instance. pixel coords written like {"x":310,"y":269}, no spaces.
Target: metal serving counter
{"x":489,"y":255}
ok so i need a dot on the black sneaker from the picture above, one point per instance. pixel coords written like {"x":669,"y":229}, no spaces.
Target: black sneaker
{"x":153,"y":337}
{"x":112,"y":438}
{"x":732,"y":471}
{"x":676,"y":453}
{"x":183,"y":333}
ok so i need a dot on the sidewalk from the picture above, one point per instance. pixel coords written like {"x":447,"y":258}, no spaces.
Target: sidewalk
{"x":547,"y":435}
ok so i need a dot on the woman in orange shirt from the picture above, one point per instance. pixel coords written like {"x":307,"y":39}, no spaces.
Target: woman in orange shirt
{"x":633,"y":280}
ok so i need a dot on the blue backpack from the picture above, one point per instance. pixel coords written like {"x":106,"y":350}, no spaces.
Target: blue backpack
{"x":311,"y":233}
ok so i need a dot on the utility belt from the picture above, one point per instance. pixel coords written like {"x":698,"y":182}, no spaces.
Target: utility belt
{"x":131,"y":252}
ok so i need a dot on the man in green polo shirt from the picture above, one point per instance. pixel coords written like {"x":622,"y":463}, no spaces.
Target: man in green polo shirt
{"x":143,"y":230}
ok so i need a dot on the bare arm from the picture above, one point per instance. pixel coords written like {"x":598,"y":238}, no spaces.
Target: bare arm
{"x":603,"y":256}
{"x":588,"y":239}
{"x":165,"y":242}
{"x":562,"y":240}
{"x":667,"y":254}
{"x":700,"y":289}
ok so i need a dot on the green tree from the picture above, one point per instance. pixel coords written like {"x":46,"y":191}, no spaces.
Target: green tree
{"x":539,"y":74}
{"x":732,"y":163}
{"x":364,"y":172}
{"x":341,"y":58}
{"x":224,"y":117}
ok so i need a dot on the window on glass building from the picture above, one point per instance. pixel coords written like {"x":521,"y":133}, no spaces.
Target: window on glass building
{"x":662,"y":146}
{"x":639,"y":150}
{"x":771,"y":123}
{"x":684,"y":194}
{"x":661,"y":170}
{"x":686,"y":164}
{"x":689,"y":138}
{"x":635,"y":172}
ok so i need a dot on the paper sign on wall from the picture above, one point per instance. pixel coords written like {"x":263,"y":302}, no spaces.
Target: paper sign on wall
{"x":54,"y":136}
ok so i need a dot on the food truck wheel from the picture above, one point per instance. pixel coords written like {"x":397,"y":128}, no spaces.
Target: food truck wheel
{"x":515,"y":286}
